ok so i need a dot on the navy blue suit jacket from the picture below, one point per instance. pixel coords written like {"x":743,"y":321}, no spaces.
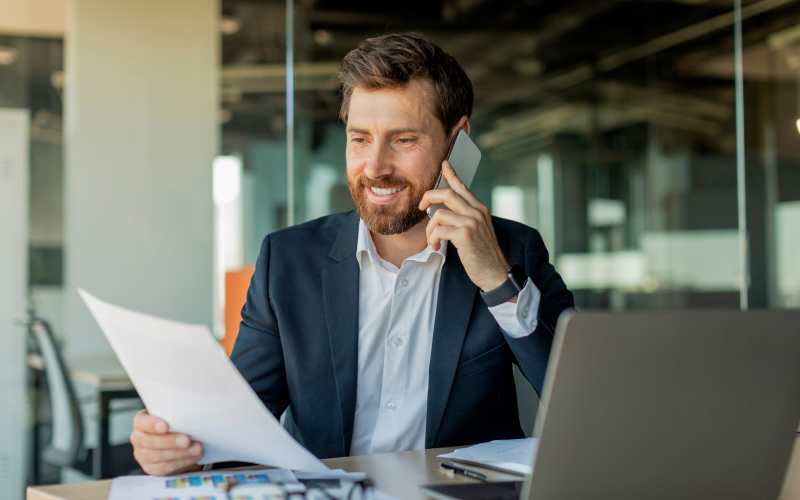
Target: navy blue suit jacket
{"x":298,"y":339}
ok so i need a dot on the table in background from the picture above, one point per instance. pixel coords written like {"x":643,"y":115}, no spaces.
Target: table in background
{"x":398,"y":474}
{"x":105,"y":375}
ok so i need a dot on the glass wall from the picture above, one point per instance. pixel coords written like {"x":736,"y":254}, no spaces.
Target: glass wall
{"x":609,"y":126}
{"x":31,"y":77}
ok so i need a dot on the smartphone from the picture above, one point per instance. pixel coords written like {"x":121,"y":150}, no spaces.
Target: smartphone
{"x":464,"y":156}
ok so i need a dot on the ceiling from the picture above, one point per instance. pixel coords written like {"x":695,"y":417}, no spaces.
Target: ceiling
{"x":539,"y":67}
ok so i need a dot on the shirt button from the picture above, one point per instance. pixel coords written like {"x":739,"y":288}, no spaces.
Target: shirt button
{"x":404,"y":282}
{"x":524,"y":313}
{"x":391,"y":407}
{"x":398,"y":342}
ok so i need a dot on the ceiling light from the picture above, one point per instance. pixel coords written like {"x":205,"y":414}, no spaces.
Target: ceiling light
{"x":228,"y":25}
{"x":8,"y":55}
{"x":323,"y":37}
{"x":797,"y":124}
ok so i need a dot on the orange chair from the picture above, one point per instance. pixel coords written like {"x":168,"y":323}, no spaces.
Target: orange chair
{"x":236,"y":284}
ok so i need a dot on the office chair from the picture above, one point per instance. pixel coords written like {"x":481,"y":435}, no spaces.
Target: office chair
{"x":66,"y":444}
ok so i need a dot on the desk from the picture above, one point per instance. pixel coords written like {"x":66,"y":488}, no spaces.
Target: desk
{"x":104,"y":374}
{"x":398,"y":474}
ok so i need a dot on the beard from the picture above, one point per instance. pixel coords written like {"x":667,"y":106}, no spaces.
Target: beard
{"x":394,"y":218}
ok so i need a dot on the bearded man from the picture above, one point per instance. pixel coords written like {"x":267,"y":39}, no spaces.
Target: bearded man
{"x":385,"y":330}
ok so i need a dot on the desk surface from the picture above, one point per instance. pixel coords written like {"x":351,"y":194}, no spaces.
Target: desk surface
{"x":103,"y":372}
{"x":398,"y":474}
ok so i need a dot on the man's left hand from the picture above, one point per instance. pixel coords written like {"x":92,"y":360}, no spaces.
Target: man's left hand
{"x":467,"y":224}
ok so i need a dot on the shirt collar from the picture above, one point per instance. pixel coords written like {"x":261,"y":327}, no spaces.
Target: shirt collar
{"x":366,"y":245}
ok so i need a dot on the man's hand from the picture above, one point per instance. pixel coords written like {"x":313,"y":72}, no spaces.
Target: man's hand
{"x":163,"y":453}
{"x":467,"y":224}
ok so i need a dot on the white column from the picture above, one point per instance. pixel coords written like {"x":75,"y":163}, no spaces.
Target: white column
{"x":14,"y":166}
{"x":141,"y":100}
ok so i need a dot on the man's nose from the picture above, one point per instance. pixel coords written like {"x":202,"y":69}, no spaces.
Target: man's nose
{"x":378,"y":164}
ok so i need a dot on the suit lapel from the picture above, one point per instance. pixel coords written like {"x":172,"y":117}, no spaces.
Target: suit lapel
{"x":340,"y":297}
{"x":453,"y":311}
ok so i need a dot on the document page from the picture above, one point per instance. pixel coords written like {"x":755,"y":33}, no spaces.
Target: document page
{"x":184,"y":376}
{"x":509,"y":455}
{"x":216,"y":485}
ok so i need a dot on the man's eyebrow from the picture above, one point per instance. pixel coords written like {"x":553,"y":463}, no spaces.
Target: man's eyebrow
{"x":356,"y":130}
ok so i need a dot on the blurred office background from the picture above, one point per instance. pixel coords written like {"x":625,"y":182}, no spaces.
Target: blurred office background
{"x":161,"y":141}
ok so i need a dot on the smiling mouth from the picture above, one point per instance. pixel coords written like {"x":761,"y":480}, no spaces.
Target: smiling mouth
{"x":385,"y":192}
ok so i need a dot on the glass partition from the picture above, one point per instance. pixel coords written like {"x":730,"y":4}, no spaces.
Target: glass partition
{"x":771,"y":67}
{"x":608,"y":126}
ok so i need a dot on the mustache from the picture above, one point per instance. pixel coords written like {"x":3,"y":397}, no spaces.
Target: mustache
{"x":384,"y":182}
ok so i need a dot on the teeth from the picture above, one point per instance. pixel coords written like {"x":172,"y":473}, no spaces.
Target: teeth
{"x":384,"y":192}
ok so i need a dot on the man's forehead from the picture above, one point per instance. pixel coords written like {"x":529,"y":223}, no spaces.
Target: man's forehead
{"x":403,"y":107}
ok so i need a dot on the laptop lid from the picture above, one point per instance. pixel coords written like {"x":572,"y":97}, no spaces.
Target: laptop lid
{"x":665,"y":405}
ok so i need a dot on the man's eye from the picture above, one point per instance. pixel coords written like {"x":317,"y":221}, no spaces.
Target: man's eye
{"x":359,"y":140}
{"x":406,"y":140}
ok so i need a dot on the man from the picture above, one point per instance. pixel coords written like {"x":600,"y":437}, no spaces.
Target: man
{"x":370,"y":324}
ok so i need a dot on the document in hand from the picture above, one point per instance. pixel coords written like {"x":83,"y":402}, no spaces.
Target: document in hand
{"x":183,"y":376}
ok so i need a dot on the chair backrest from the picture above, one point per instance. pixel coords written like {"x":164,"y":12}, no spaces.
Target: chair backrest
{"x":67,"y":432}
{"x":236,"y":285}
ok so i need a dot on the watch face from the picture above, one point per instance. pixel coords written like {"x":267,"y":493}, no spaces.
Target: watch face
{"x":517,"y":274}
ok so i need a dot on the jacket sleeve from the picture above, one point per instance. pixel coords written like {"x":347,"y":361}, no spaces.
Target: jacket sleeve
{"x":533,"y":351}
{"x":258,"y":353}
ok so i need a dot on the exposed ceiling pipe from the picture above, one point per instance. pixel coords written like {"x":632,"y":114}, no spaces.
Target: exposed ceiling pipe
{"x":684,"y":35}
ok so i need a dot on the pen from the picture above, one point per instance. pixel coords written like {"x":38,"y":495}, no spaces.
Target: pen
{"x":460,"y":470}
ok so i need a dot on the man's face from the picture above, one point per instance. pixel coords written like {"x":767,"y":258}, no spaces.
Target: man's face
{"x":395,"y":148}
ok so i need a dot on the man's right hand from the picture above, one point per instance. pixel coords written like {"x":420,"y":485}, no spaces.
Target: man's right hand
{"x":160,"y":452}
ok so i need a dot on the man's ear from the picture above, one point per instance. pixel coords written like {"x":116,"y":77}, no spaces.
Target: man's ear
{"x":463,"y":123}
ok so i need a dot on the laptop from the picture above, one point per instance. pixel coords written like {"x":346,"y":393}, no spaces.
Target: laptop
{"x":662,"y":405}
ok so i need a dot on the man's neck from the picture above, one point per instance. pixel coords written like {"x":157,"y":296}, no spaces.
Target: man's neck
{"x":398,"y":247}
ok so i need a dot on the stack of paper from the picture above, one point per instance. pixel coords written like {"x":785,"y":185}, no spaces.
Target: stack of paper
{"x":211,"y":485}
{"x":512,"y":455}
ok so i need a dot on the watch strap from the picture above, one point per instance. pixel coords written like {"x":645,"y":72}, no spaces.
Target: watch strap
{"x":515,"y":281}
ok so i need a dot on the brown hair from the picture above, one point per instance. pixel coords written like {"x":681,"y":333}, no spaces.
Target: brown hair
{"x":394,"y":60}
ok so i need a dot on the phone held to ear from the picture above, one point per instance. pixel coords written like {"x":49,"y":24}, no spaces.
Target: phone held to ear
{"x":464,"y":157}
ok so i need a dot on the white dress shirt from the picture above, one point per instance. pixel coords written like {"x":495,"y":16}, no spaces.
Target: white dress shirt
{"x":396,"y":313}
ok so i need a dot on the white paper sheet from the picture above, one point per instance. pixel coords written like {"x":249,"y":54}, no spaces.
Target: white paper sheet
{"x":510,"y":455}
{"x":183,"y":376}
{"x":203,"y":485}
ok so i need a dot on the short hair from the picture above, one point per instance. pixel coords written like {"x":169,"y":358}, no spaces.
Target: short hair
{"x":391,"y":61}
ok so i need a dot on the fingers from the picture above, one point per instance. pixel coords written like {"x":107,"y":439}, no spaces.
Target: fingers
{"x":153,"y":456}
{"x":161,"y":462}
{"x":449,"y":218}
{"x":158,"y":451}
{"x":170,"y":468}
{"x":457,"y":185}
{"x":448,"y":233}
{"x":452,"y":200}
{"x":150,"y":424}
{"x":160,"y":441}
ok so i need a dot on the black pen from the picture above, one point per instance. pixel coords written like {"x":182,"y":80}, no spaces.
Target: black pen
{"x":460,"y":470}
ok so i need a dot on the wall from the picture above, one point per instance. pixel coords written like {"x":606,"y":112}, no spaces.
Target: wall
{"x":140,"y":135}
{"x":13,"y":286}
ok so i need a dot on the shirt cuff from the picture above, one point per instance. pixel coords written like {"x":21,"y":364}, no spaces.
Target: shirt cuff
{"x":519,"y":319}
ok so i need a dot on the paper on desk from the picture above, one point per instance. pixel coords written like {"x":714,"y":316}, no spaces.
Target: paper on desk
{"x":183,"y":376}
{"x":510,"y":455}
{"x":193,"y":486}
{"x":204,"y":485}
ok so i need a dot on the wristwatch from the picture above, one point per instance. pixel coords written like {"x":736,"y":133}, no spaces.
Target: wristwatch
{"x":513,"y":284}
